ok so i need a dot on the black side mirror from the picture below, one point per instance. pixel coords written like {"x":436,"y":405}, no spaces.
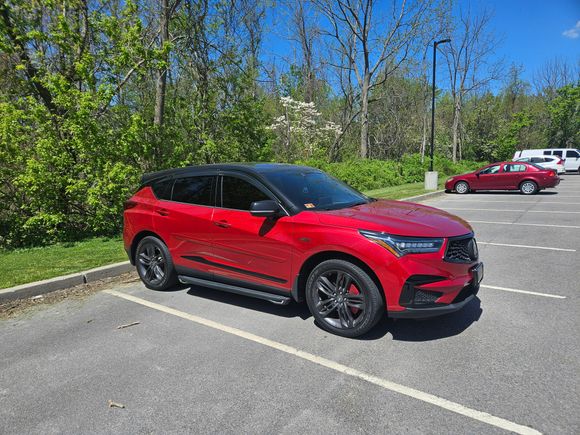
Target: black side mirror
{"x":266,"y":208}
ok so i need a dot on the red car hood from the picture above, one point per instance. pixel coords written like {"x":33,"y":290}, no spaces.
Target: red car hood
{"x":398,"y":217}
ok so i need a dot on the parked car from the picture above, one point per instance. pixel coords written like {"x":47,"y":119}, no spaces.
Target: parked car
{"x":283,"y":232}
{"x":546,"y":162}
{"x":570,"y":156}
{"x":528,"y":178}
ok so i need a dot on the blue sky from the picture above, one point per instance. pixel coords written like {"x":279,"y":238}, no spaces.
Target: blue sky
{"x":530,"y":32}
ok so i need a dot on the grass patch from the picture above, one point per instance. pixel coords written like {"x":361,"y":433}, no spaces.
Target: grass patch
{"x":27,"y":265}
{"x":402,"y":191}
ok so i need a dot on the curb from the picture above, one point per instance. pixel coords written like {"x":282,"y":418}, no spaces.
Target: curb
{"x":62,"y":282}
{"x":424,"y":196}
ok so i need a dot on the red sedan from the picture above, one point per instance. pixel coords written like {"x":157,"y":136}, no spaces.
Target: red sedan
{"x":528,"y":178}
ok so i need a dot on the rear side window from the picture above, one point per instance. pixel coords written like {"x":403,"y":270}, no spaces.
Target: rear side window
{"x":558,"y":153}
{"x":547,"y":153}
{"x":239,"y":194}
{"x":162,"y":189}
{"x":514,"y":168}
{"x":572,"y":154}
{"x":538,"y":160}
{"x":194,"y":190}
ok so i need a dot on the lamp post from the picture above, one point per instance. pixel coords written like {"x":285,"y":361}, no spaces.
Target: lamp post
{"x":435,"y":44}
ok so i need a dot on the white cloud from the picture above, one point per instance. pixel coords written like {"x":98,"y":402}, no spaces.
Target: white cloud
{"x":574,"y":32}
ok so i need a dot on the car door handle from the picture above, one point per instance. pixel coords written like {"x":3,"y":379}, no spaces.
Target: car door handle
{"x":162,"y":211}
{"x":222,"y":224}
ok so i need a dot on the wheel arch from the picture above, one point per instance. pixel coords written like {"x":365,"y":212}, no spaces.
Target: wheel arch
{"x":138,"y":237}
{"x":461,"y":180}
{"x":299,"y":285}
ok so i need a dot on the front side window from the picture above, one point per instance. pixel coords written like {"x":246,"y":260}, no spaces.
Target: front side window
{"x":313,"y":189}
{"x":491,"y":170}
{"x":194,"y":190}
{"x":238,"y":194}
{"x":515,"y":168}
{"x":571,"y":154}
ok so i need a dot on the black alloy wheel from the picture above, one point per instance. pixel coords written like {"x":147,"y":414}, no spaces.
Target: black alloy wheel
{"x":154,"y":264}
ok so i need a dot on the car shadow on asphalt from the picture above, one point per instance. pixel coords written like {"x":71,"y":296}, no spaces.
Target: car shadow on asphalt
{"x":293,"y":309}
{"x":434,"y":328}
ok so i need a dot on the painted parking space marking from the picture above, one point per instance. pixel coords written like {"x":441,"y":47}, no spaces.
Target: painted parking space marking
{"x":448,"y":405}
{"x":511,"y":210}
{"x":526,"y":246}
{"x":511,"y":202}
{"x":525,"y":224}
{"x":526,"y":292}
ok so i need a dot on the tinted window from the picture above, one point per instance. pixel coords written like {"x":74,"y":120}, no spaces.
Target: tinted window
{"x":573,"y":154}
{"x":538,"y":160}
{"x":514,"y":168}
{"x":547,"y":153}
{"x":239,"y":194}
{"x":558,"y":153}
{"x":162,"y":189}
{"x":194,"y":190}
{"x":491,"y":170}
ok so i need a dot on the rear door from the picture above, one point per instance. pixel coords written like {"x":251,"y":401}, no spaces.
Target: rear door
{"x":572,"y":160}
{"x":513,"y":174}
{"x":185,"y":222}
{"x":249,"y":251}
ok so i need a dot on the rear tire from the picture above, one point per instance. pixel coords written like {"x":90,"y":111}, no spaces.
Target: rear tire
{"x":343,"y":298}
{"x":462,"y":187}
{"x":154,"y":264}
{"x":528,"y":187}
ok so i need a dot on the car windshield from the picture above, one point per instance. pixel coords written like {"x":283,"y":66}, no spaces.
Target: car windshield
{"x":316,"y":190}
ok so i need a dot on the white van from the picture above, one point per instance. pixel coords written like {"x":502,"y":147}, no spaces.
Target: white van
{"x":570,"y":156}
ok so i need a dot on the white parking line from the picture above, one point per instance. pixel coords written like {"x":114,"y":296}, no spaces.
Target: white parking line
{"x":526,"y":246}
{"x":511,"y":202}
{"x":448,"y":405}
{"x":524,"y":224}
{"x":513,"y":290}
{"x":500,"y":209}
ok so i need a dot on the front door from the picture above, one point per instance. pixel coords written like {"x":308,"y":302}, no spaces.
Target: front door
{"x":487,"y":178}
{"x":248,"y":250}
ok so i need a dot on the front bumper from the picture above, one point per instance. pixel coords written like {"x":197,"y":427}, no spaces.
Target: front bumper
{"x":426,"y":296}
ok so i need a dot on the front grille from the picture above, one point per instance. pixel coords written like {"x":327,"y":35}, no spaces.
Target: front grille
{"x":462,"y":250}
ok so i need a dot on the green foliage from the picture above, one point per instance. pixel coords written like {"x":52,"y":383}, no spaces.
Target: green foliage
{"x":564,"y":111}
{"x":375,"y":174}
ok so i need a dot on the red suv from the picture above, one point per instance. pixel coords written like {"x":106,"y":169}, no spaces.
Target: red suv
{"x":283,"y":232}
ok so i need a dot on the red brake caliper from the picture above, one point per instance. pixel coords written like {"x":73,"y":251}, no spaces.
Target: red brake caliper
{"x":353,"y":291}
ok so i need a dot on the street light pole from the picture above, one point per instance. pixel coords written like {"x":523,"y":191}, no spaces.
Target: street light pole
{"x":435,"y":44}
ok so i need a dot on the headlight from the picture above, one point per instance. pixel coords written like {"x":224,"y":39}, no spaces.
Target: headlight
{"x":399,"y":245}
{"x":450,"y":179}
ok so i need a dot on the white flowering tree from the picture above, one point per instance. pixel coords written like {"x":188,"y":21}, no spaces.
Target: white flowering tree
{"x":301,"y":131}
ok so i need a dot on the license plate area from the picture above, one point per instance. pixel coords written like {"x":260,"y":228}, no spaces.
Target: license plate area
{"x":477,"y":273}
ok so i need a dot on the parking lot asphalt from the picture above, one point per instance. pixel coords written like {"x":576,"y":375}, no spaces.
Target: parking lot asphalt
{"x":509,"y":361}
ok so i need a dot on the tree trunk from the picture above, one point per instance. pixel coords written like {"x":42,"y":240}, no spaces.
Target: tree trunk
{"x":162,"y":72}
{"x":364,"y":113}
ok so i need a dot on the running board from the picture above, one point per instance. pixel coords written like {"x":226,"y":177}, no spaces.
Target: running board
{"x":270,"y":297}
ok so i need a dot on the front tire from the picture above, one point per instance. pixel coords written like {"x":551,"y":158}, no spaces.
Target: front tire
{"x":528,"y":187}
{"x":462,"y":187}
{"x":154,"y":264}
{"x":343,"y":298}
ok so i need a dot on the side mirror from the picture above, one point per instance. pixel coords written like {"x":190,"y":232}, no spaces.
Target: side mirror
{"x":477,"y":174}
{"x":266,"y":208}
